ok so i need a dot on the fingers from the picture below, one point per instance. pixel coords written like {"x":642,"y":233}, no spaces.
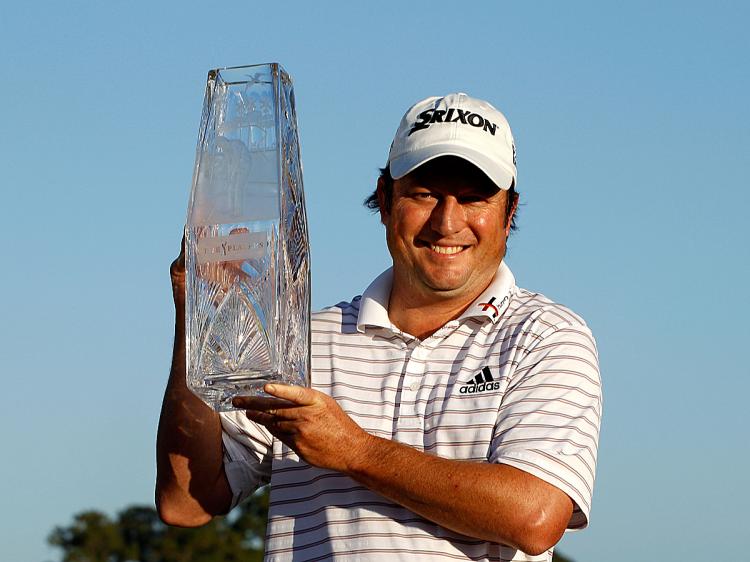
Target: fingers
{"x":278,"y":427}
{"x":281,"y":422}
{"x":179,"y":262}
{"x":181,"y":258}
{"x":261,"y":403}
{"x":299,"y":395}
{"x":177,"y":274}
{"x":282,"y":411}
{"x":264,"y":418}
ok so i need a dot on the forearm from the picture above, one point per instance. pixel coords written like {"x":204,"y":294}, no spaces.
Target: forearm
{"x":493,"y":502}
{"x":191,"y":485}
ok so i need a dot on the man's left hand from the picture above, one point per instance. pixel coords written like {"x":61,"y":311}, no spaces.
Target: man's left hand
{"x":311,"y":423}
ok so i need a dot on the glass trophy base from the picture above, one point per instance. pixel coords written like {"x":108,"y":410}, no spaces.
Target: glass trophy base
{"x":218,"y":390}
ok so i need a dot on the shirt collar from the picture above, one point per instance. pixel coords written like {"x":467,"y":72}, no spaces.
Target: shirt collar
{"x":495,"y":298}
{"x":373,"y":308}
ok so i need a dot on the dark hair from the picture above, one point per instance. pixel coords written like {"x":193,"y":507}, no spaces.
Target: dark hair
{"x":373,"y":204}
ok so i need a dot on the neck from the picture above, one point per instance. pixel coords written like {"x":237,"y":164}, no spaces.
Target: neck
{"x":421,"y":317}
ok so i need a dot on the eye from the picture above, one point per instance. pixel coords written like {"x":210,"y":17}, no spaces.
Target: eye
{"x":422,"y":195}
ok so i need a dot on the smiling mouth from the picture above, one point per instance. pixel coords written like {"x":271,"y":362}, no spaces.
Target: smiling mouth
{"x":446,"y":250}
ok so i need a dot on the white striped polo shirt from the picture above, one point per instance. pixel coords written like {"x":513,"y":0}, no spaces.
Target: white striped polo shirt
{"x":514,"y":380}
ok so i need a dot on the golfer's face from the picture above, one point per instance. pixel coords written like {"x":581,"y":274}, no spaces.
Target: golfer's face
{"x":446,"y":230}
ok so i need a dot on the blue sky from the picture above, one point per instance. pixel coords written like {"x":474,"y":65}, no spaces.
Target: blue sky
{"x":633,"y":131}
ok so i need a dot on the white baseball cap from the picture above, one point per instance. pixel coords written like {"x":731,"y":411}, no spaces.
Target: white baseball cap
{"x":455,"y":125}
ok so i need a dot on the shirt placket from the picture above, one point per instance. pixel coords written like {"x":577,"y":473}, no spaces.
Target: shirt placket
{"x":409,"y":415}
{"x":412,"y":411}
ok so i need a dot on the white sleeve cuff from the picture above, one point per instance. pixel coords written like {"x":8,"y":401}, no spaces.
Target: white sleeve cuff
{"x":247,"y":455}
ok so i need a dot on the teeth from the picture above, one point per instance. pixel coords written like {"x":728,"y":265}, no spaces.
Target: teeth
{"x":446,"y":249}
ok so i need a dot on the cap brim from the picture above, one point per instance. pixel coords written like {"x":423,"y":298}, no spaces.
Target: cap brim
{"x":406,"y":163}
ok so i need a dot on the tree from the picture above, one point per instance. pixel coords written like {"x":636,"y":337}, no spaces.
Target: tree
{"x":138,"y":535}
{"x":92,"y":537}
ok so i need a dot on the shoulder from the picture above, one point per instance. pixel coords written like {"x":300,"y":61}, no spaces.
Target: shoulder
{"x":532,"y":317}
{"x":532,"y":307}
{"x":339,"y":317}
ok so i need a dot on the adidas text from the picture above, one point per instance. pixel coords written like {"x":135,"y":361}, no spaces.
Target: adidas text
{"x":474,"y":388}
{"x":482,"y":382}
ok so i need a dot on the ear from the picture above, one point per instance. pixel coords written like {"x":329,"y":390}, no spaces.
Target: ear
{"x":382,"y":203}
{"x":511,"y":215}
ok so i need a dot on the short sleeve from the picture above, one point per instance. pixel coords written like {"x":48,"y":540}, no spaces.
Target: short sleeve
{"x":548,"y":423}
{"x":247,"y":454}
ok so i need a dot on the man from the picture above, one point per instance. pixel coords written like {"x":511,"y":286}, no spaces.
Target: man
{"x":452,"y":415}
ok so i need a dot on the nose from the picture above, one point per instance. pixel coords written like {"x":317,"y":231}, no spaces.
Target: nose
{"x":447,"y":216}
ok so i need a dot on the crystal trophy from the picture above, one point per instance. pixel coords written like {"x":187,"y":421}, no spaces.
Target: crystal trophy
{"x":247,"y":251}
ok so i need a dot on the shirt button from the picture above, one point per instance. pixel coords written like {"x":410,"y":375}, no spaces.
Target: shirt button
{"x":414,"y":386}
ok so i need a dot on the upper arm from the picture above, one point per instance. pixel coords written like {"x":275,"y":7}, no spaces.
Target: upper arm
{"x":548,"y":425}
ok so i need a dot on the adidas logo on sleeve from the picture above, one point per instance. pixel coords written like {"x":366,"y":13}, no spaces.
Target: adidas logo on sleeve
{"x":482,"y":382}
